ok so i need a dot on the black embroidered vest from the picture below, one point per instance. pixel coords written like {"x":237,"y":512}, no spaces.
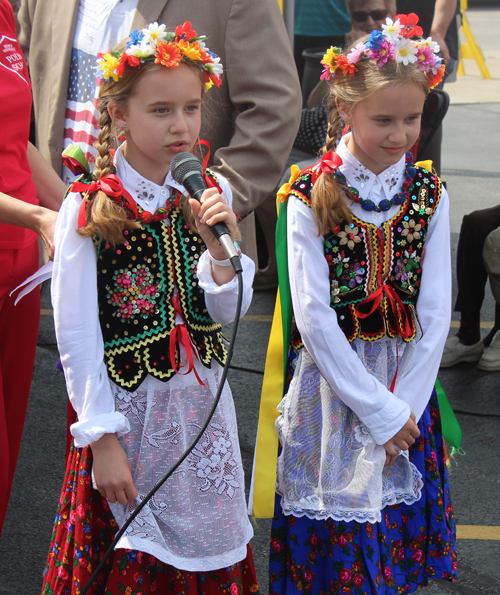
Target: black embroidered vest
{"x":135,"y":283}
{"x":375,"y":272}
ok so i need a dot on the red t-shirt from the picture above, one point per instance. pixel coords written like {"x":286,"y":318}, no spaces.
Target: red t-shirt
{"x":15,"y":114}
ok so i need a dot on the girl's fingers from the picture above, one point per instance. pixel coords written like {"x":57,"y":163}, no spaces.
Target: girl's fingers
{"x":122,"y":498}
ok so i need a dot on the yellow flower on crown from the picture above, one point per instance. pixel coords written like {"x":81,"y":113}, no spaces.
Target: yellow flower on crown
{"x":108,"y":64}
{"x":168,"y":48}
{"x":330,"y":59}
{"x":190,"y":50}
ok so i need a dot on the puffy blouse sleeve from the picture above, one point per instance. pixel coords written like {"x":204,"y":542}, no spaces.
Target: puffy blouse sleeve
{"x":221,"y":299}
{"x":78,"y":332}
{"x":373,"y":403}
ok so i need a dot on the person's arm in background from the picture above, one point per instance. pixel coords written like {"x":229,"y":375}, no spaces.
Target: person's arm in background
{"x":444,"y":12}
{"x":40,"y":220}
{"x":265,"y":92}
{"x":50,"y":189}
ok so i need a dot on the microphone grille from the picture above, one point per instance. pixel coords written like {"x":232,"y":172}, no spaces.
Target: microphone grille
{"x":183,"y":165}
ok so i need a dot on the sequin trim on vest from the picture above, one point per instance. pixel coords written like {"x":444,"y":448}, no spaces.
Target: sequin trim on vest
{"x":137,"y":307}
{"x":375,"y":272}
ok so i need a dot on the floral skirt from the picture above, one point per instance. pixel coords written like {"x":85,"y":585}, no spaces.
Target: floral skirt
{"x":397,"y":555}
{"x":83,"y":530}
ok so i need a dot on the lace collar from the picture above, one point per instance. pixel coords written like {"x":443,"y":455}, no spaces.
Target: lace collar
{"x":148,"y":195}
{"x":384,"y":186}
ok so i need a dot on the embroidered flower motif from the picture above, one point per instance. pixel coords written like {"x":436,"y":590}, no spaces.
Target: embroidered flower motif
{"x":401,"y":274}
{"x":213,"y":461}
{"x":334,"y":292}
{"x":422,"y":210}
{"x":411,"y":230}
{"x":134,"y":292}
{"x":355,"y":275}
{"x":349,"y":236}
{"x":362,"y":434}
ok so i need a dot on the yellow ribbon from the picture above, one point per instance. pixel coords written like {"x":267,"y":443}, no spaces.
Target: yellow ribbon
{"x":267,"y":440}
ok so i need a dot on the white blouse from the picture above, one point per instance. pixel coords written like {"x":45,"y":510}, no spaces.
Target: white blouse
{"x":74,"y":298}
{"x":383,"y":412}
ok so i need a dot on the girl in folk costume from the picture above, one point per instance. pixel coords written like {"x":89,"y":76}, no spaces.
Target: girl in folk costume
{"x":362,"y":501}
{"x":140,"y":289}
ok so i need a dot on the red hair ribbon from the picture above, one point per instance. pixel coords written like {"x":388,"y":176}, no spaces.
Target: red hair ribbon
{"x":111,"y":186}
{"x":329,"y":163}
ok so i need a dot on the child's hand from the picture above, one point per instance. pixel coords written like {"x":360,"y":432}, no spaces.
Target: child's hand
{"x":112,"y":473}
{"x":213,"y":209}
{"x":403,"y":440}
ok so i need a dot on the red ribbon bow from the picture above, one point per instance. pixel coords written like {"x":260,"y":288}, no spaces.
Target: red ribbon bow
{"x":398,"y":309}
{"x":396,"y":305}
{"x":329,"y":163}
{"x":111,"y":186}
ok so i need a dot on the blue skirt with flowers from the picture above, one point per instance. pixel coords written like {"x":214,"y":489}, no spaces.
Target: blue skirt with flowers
{"x":397,"y":555}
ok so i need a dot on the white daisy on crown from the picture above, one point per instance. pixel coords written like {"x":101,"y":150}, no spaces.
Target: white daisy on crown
{"x":400,"y":40}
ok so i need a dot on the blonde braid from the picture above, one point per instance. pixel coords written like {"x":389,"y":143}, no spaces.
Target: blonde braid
{"x":328,"y":200}
{"x":105,"y":218}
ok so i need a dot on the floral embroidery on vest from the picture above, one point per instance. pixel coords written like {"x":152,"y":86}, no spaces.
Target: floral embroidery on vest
{"x":375,"y":272}
{"x":137,"y":303}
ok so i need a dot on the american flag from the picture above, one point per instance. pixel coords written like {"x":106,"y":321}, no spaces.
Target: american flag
{"x":82,"y":116}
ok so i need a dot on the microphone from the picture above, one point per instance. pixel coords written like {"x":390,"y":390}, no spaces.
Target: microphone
{"x":187,"y":170}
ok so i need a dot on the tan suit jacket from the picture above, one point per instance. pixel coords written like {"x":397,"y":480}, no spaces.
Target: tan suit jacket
{"x":252,"y":119}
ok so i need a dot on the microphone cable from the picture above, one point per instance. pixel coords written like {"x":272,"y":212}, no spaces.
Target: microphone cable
{"x":186,"y":453}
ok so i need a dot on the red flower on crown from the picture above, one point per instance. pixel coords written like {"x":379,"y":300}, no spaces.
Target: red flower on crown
{"x":184,"y":32}
{"x":409,"y":24}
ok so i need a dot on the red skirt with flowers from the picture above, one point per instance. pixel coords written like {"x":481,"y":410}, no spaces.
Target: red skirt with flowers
{"x":85,"y":527}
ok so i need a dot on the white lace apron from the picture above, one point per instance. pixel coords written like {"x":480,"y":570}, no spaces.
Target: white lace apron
{"x":197,"y":521}
{"x":330,"y":466}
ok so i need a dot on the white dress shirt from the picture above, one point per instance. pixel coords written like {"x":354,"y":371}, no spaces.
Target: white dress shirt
{"x":383,"y":412}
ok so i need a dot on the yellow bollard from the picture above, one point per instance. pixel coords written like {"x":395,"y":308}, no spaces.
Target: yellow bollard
{"x":470,"y":49}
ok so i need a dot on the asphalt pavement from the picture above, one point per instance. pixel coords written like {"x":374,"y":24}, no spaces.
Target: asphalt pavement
{"x":471,"y":169}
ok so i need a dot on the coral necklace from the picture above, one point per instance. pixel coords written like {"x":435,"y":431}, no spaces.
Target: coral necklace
{"x":384,"y":205}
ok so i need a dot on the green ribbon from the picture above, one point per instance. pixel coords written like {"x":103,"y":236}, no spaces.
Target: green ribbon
{"x":452,"y":432}
{"x":74,"y":158}
{"x":284,"y":281}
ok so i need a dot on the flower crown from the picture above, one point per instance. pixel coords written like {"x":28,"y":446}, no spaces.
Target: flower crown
{"x":394,"y":42}
{"x":164,"y":47}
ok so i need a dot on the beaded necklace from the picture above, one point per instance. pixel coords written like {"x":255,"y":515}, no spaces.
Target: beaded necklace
{"x":161,"y":213}
{"x":384,"y":205}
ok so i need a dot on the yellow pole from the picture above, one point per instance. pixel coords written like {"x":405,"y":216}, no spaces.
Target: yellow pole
{"x":470,"y":49}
